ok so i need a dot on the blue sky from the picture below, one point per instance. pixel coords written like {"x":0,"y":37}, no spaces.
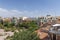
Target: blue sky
{"x":29,"y":8}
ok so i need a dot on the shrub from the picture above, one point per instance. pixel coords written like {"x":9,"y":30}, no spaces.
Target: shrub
{"x":26,"y":35}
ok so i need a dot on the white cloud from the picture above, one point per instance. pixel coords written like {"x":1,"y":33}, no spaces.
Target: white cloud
{"x":16,"y":11}
{"x":1,"y":9}
{"x":9,"y":13}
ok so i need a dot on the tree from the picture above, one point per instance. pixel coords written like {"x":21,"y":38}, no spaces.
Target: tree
{"x":28,"y":24}
{"x":26,"y":35}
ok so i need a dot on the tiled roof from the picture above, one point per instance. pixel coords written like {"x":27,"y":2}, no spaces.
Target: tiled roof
{"x":41,"y":34}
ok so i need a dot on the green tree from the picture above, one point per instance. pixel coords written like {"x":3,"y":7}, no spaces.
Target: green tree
{"x":28,"y":24}
{"x":26,"y":35}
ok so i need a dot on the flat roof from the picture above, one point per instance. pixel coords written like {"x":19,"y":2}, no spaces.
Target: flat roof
{"x":56,"y":25}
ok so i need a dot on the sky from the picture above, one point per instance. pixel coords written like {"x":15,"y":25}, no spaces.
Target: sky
{"x":29,"y":8}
